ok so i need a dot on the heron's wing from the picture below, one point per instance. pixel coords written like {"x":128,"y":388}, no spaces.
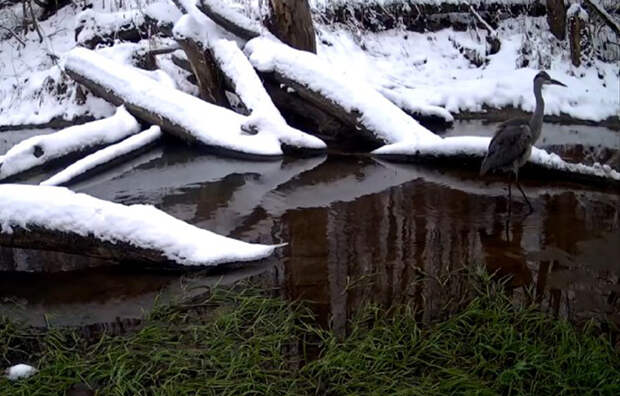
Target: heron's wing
{"x":509,"y":143}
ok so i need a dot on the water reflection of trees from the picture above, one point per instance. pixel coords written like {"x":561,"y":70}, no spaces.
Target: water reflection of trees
{"x":410,"y":244}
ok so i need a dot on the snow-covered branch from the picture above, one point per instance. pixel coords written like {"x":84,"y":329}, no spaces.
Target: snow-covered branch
{"x":109,"y":155}
{"x":39,"y":150}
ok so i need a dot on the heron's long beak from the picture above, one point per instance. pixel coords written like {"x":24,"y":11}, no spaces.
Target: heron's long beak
{"x":556,"y":82}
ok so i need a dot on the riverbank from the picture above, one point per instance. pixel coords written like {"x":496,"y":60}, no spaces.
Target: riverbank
{"x":245,"y":340}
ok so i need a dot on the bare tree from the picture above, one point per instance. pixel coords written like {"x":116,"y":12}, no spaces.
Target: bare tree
{"x":556,"y":17}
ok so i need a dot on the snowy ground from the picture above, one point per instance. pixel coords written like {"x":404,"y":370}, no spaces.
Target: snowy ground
{"x":421,"y":68}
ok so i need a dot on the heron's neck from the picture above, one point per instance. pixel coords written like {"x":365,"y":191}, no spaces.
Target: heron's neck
{"x":537,"y":117}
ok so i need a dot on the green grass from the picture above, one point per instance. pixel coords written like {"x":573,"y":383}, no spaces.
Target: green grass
{"x":246,"y":342}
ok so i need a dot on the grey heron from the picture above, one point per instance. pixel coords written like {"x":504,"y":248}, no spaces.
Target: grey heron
{"x":511,"y":146}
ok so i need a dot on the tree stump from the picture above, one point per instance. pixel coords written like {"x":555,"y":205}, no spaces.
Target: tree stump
{"x":556,"y":17}
{"x":291,"y":22}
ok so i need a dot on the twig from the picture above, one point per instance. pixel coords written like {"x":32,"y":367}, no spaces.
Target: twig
{"x":35,"y":23}
{"x":14,"y":35}
{"x":609,"y":20}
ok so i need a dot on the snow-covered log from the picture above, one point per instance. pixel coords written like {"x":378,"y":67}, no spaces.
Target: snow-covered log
{"x":179,"y":113}
{"x":427,"y":114}
{"x":107,"y":157}
{"x":68,"y":143}
{"x":55,"y":218}
{"x":469,"y":151}
{"x":232,"y":21}
{"x":240,"y":76}
{"x":353,"y":102}
{"x":208,"y":76}
{"x":93,"y":28}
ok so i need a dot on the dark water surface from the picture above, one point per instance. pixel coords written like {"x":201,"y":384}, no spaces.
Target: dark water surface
{"x":359,"y":230}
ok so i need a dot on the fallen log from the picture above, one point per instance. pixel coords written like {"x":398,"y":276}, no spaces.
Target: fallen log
{"x":101,"y":28}
{"x":71,"y":142}
{"x":240,"y":76}
{"x":106,"y":158}
{"x":469,"y":150}
{"x":369,"y":114}
{"x":208,"y":76}
{"x":178,"y":113}
{"x":232,"y":21}
{"x":96,"y":28}
{"x":55,"y":218}
{"x":296,"y":108}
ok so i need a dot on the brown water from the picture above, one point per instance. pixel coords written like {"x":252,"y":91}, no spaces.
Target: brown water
{"x":359,"y":230}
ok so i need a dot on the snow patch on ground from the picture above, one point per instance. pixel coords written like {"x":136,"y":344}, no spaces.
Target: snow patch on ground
{"x":19,"y":371}
{"x":426,"y":68}
{"x":38,"y":150}
{"x":33,"y":89}
{"x":144,"y":226}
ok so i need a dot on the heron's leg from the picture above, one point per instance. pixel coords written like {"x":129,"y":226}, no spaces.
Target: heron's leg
{"x":523,"y":192}
{"x":509,"y":195}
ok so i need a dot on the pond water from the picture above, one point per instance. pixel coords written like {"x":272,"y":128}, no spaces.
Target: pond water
{"x":358,"y":229}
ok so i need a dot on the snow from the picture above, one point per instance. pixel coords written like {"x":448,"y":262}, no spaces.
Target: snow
{"x":105,"y":155}
{"x":237,"y":68}
{"x":603,"y":12}
{"x":576,"y":10}
{"x":163,"y":12}
{"x":144,"y":226}
{"x":388,"y":122}
{"x":236,"y":17}
{"x":414,"y":105}
{"x":19,"y":371}
{"x":33,"y":90}
{"x":477,"y":146}
{"x":223,"y":129}
{"x":95,"y":24}
{"x":427,"y":69}
{"x":41,"y":149}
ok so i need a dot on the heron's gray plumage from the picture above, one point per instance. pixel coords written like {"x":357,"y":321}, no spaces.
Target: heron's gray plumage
{"x":511,"y":146}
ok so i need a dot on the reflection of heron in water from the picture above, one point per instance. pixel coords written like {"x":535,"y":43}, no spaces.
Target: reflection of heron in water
{"x":511,"y":146}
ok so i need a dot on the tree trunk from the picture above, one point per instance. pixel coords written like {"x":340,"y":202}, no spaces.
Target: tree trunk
{"x":556,"y":17}
{"x":291,"y":22}
{"x":578,"y":39}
